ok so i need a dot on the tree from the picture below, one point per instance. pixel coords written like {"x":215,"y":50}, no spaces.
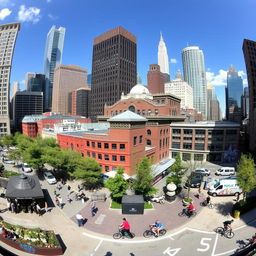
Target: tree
{"x":8,"y":140}
{"x":143,"y":182}
{"x":15,"y":154}
{"x":246,"y":175}
{"x":117,"y":185}
{"x":89,"y":171}
{"x":175,"y":169}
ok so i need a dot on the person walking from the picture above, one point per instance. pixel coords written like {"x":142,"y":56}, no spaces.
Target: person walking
{"x":60,"y":202}
{"x":93,"y":208}
{"x":79,"y":219}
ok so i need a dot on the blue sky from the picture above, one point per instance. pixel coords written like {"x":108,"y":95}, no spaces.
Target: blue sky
{"x":218,"y":27}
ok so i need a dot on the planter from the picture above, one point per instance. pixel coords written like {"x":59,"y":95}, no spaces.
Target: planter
{"x":186,"y":201}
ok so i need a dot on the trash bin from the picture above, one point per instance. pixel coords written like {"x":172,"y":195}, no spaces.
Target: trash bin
{"x":236,"y":214}
{"x":132,"y":204}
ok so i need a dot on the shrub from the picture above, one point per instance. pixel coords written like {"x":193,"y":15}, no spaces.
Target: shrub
{"x":8,"y":174}
{"x":245,"y":205}
{"x":176,"y":179}
{"x":188,"y":200}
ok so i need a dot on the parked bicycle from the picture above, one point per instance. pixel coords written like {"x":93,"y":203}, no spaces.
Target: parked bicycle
{"x":228,"y":233}
{"x":186,"y":213}
{"x":123,"y":234}
{"x":209,"y":205}
{"x":160,"y":199}
{"x":148,"y":233}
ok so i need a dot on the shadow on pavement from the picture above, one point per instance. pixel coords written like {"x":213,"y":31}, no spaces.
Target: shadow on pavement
{"x":48,"y":198}
{"x":63,"y":246}
{"x":224,"y":208}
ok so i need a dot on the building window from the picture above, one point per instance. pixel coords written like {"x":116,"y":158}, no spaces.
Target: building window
{"x":187,"y":138}
{"x":106,"y":168}
{"x":88,"y":143}
{"x":176,"y":131}
{"x":198,"y":157}
{"x":217,"y":132}
{"x":186,"y":156}
{"x":175,"y":145}
{"x":131,"y":108}
{"x":200,"y":132}
{"x":122,"y":158}
{"x":134,"y":140}
{"x":174,"y":154}
{"x":99,"y":145}
{"x":160,"y":143}
{"x":93,"y":155}
{"x":187,"y":145}
{"x":143,"y":112}
{"x":148,"y":142}
{"x":188,"y":131}
{"x":100,"y":156}
{"x":200,"y":138}
{"x":141,"y":138}
{"x":106,"y":157}
{"x":161,"y":132}
{"x":231,"y":132}
{"x":148,"y":132}
{"x":113,"y":146}
{"x":114,"y":158}
{"x":72,"y":146}
{"x":106,"y":146}
{"x":156,"y":111}
{"x":88,"y":154}
{"x":199,"y":146}
{"x":93,"y":144}
{"x":122,"y":146}
{"x":149,"y":112}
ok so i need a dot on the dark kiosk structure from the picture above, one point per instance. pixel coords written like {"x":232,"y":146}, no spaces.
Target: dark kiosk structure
{"x":133,"y":204}
{"x":24,"y":190}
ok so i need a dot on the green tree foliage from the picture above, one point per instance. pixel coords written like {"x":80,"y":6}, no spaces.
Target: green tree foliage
{"x":142,"y":184}
{"x":246,"y":175}
{"x":117,"y":185}
{"x":175,"y":169}
{"x":89,"y":171}
{"x":33,"y":155}
{"x":15,"y":155}
{"x":8,"y":140}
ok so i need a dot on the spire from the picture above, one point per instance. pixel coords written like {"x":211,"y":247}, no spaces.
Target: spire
{"x":163,"y":60}
{"x":161,"y":36}
{"x":178,"y":75}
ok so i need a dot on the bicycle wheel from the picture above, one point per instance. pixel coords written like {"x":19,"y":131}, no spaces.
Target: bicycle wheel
{"x":211,"y":206}
{"x":229,"y":234}
{"x":133,"y":235}
{"x":117,"y":235}
{"x":147,"y":233}
{"x":194,"y":213}
{"x":181,"y":214}
{"x":219,"y":230}
{"x":162,"y":232}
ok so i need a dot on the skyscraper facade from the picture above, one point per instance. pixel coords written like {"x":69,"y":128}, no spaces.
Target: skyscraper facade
{"x":181,"y":89}
{"x":114,"y":68}
{"x":249,"y":49}
{"x":35,"y":82}
{"x":213,"y":105}
{"x":52,"y":58}
{"x":66,"y":79}
{"x":234,"y":92}
{"x":194,"y":74}
{"x":163,"y":60}
{"x":79,"y":102}
{"x":155,"y":79}
{"x":245,"y":103}
{"x":8,"y":35}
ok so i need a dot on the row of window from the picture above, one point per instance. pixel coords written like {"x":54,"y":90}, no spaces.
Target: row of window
{"x":105,"y":145}
{"x":187,"y":156}
{"x":198,"y":146}
{"x":106,"y":157}
{"x":162,"y":132}
{"x":202,"y":132}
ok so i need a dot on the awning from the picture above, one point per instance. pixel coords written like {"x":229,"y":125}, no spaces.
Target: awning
{"x":162,"y":166}
{"x":112,"y":174}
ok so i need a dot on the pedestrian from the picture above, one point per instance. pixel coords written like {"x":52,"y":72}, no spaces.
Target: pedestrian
{"x":12,"y":207}
{"x":59,"y":186}
{"x":93,"y":208}
{"x":38,"y":208}
{"x":69,"y":199}
{"x":79,"y":219}
{"x":55,"y":193}
{"x":69,"y":187}
{"x":57,"y":201}
{"x":60,"y":202}
{"x":78,"y":187}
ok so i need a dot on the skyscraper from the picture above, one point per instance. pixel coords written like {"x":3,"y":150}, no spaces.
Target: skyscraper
{"x":52,"y":58}
{"x":8,"y":35}
{"x":194,"y":74}
{"x":35,"y":82}
{"x":249,"y":49}
{"x":79,"y":100}
{"x":114,"y":68}
{"x":245,"y":103}
{"x":163,"y":60}
{"x":213,"y":105}
{"x":234,"y":92}
{"x":66,"y":79}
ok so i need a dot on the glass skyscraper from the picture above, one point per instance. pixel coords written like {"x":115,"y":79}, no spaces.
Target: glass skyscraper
{"x":52,"y":58}
{"x":234,"y":92}
{"x":194,"y":74}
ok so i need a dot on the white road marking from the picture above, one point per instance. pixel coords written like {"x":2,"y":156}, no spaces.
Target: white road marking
{"x":214,"y":246}
{"x":99,"y":244}
{"x":171,"y":238}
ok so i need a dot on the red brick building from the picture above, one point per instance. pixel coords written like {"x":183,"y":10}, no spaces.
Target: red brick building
{"x":156,"y":79}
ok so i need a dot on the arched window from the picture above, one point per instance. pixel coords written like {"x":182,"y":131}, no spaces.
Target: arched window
{"x":131,"y":108}
{"x":72,"y":146}
{"x":148,"y":132}
{"x":161,"y":132}
{"x":149,"y":142}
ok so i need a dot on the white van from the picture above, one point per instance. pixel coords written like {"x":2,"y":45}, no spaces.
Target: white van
{"x":226,"y":171}
{"x":225,"y":187}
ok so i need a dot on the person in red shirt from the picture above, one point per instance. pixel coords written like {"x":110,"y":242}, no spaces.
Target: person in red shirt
{"x":191,"y":208}
{"x":125,"y":228}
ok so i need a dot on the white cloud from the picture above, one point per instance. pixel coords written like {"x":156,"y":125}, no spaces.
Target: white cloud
{"x":22,"y":81}
{"x":30,"y":14}
{"x":173,"y":61}
{"x":4,"y":13}
{"x":220,"y":79}
{"x":52,"y":17}
{"x":48,"y":1}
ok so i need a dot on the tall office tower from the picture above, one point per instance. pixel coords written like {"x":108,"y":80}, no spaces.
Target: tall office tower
{"x":79,"y":102}
{"x":234,"y":92}
{"x":26,"y":103}
{"x":8,"y":35}
{"x":194,"y":74}
{"x":181,"y":89}
{"x":114,"y":68}
{"x":249,"y":49}
{"x":163,"y":60}
{"x":15,"y":88}
{"x":35,"y":82}
{"x":245,"y":103}
{"x":66,"y":79}
{"x":89,"y":80}
{"x":213,"y":105}
{"x":52,"y":58}
{"x":155,"y":79}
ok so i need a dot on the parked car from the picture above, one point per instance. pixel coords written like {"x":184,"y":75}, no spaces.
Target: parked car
{"x":226,"y":171}
{"x":7,"y":161}
{"x":26,"y":168}
{"x":50,"y":178}
{"x":203,"y":171}
{"x":194,"y":181}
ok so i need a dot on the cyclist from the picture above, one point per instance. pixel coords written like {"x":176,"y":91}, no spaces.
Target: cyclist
{"x":125,"y":227}
{"x":190,"y":209}
{"x":156,"y":227}
{"x":227,"y":224}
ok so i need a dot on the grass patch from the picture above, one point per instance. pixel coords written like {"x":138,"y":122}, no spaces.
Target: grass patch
{"x":115,"y":205}
{"x":8,"y":174}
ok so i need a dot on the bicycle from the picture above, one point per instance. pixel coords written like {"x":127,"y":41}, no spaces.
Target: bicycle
{"x":184,"y":212}
{"x":148,"y":233}
{"x":228,"y":233}
{"x":123,"y":234}
{"x":209,"y":205}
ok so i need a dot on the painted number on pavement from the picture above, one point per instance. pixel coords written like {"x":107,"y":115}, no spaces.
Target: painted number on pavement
{"x":205,"y":244}
{"x":171,"y":252}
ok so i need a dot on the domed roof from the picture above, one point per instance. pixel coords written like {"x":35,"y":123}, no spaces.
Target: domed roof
{"x":24,"y":182}
{"x":139,"y":89}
